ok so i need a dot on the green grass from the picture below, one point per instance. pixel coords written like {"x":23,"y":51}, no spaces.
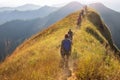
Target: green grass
{"x":39,"y":57}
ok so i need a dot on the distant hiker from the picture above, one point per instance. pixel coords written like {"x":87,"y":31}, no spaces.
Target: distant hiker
{"x":79,"y":20}
{"x":70,"y":34}
{"x":82,"y":13}
{"x":85,"y":8}
{"x":65,"y":50}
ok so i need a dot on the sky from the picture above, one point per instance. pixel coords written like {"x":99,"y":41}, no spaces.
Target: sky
{"x":113,"y":4}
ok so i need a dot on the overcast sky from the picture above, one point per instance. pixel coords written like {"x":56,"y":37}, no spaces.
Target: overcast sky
{"x":114,"y":4}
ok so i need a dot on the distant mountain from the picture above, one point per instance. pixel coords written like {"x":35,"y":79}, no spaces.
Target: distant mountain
{"x":62,"y":12}
{"x":25,"y":7}
{"x":112,"y":19}
{"x":15,"y":32}
{"x":25,"y":15}
{"x":2,"y":9}
{"x":59,"y":5}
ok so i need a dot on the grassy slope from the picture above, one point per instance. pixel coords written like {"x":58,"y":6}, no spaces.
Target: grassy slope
{"x":39,"y":57}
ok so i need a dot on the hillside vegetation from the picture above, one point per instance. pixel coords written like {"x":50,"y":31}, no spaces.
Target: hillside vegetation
{"x":14,"y":33}
{"x":94,"y":56}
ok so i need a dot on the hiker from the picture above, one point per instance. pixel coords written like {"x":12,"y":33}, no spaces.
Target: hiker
{"x":82,"y":13}
{"x":79,"y":21}
{"x":65,"y":50}
{"x":85,"y":8}
{"x":70,"y":34}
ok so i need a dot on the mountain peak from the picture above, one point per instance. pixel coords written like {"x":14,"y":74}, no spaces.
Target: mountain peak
{"x":46,"y":6}
{"x":29,"y":5}
{"x":74,"y":3}
{"x":98,"y":4}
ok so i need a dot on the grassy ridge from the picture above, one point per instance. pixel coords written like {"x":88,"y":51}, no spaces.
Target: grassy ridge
{"x":39,"y":57}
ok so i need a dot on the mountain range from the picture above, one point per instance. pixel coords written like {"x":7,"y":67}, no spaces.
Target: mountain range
{"x":24,"y":29}
{"x":93,"y":55}
{"x":7,"y":16}
{"x":25,"y":7}
{"x":13,"y":33}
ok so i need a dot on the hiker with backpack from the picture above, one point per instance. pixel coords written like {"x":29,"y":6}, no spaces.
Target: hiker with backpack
{"x":82,"y":13}
{"x":65,"y":50}
{"x":70,"y":34}
{"x":86,"y":9}
{"x":79,"y":20}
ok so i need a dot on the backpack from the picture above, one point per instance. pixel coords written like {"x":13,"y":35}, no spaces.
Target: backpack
{"x":70,"y":34}
{"x":66,"y":44}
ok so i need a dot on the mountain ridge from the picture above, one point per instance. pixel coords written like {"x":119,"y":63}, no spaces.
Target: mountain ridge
{"x":111,"y":18}
{"x":31,"y":27}
{"x":93,"y":59}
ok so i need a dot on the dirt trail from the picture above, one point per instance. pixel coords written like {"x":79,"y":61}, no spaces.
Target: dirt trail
{"x":68,"y":73}
{"x":72,"y":68}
